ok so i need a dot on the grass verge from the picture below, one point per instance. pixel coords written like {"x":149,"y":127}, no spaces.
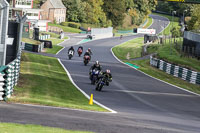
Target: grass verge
{"x":30,"y":41}
{"x":53,"y":35}
{"x":154,"y":72}
{"x":131,"y":49}
{"x":65,"y":28}
{"x":174,"y":55}
{"x":19,"y":128}
{"x":150,"y":21}
{"x":134,"y":46}
{"x":174,"y":22}
{"x":56,"y":47}
{"x":44,"y":81}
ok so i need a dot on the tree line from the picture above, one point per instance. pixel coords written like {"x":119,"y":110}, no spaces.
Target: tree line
{"x":107,"y":12}
{"x":190,"y":12}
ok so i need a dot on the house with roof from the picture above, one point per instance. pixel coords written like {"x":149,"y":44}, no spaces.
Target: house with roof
{"x":54,"y":10}
{"x":23,"y":7}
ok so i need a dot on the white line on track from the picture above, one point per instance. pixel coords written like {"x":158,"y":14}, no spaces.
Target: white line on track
{"x":61,"y":43}
{"x":88,"y":97}
{"x":153,"y":93}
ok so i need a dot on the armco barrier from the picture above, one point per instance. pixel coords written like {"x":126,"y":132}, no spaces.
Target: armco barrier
{"x":9,"y":76}
{"x":177,"y":71}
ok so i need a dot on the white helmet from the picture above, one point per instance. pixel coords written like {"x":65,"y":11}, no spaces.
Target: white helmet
{"x":97,"y":62}
{"x":107,"y":71}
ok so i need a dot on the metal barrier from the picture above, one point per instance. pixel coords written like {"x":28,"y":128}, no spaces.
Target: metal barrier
{"x":9,"y":76}
{"x":4,"y":11}
{"x":125,"y":31}
{"x":177,"y":71}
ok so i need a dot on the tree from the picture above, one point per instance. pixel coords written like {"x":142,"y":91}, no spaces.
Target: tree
{"x":194,"y":23}
{"x":168,"y":7}
{"x":176,"y":32}
{"x":75,"y":10}
{"x":95,"y":13}
{"x":140,"y":9}
{"x":115,"y":10}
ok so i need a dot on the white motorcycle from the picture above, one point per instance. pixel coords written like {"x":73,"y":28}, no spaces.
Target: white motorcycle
{"x":70,"y":54}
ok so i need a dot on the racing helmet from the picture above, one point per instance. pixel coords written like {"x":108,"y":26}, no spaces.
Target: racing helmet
{"x":97,"y":63}
{"x":107,"y":71}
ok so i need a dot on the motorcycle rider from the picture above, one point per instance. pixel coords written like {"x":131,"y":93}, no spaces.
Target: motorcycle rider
{"x":89,"y":49}
{"x":80,"y":47}
{"x":107,"y":75}
{"x":87,"y":53}
{"x":96,"y":66}
{"x":80,"y":50}
{"x":71,"y":48}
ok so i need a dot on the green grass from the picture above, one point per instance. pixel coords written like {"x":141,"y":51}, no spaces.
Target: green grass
{"x":154,"y":72}
{"x":19,"y":128}
{"x":66,"y":37}
{"x":65,"y":28}
{"x":163,"y":51}
{"x":150,"y":21}
{"x":30,"y":41}
{"x":174,"y":23}
{"x":133,"y":47}
{"x":44,"y":81}
{"x":169,"y":53}
{"x":53,"y":35}
{"x":56,"y":47}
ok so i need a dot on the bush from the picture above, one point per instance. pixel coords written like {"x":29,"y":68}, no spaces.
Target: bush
{"x":64,"y":23}
{"x":74,"y":25}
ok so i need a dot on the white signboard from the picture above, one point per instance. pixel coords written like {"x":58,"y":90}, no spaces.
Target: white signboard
{"x":146,"y":31}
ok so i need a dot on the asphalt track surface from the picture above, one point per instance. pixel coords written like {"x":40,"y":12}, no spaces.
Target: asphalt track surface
{"x":144,"y":104}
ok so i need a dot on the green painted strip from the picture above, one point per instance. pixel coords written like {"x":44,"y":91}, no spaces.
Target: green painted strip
{"x":132,"y":65}
{"x":180,"y":72}
{"x":172,"y":69}
{"x":84,"y":40}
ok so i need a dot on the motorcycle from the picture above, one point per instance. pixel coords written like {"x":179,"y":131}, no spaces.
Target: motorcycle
{"x":80,"y":51}
{"x":101,"y":83}
{"x":70,"y":54}
{"x":94,"y":76}
{"x":86,"y":59}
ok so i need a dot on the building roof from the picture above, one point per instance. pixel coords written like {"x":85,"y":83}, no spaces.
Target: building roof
{"x":57,"y":4}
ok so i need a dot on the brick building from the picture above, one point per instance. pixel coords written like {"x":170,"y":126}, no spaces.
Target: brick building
{"x":53,"y":10}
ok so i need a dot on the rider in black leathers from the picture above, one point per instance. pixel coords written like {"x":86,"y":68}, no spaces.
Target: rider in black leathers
{"x":71,"y":48}
{"x":96,"y":66}
{"x":107,"y":75}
